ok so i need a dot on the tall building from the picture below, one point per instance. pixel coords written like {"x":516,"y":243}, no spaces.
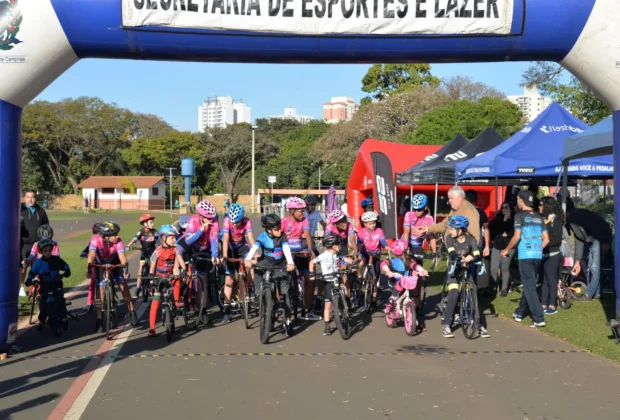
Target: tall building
{"x":340,"y":108}
{"x":291,"y":114}
{"x":531,"y":103}
{"x":220,"y":111}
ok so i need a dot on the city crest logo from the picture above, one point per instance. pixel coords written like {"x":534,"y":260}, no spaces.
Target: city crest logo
{"x":10,"y":20}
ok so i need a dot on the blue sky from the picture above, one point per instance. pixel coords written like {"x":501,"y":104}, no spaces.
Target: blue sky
{"x":175,"y":90}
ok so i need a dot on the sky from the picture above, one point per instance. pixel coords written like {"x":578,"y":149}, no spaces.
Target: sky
{"x":173,"y":91}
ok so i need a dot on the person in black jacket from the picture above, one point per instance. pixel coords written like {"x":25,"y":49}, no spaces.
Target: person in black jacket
{"x":501,"y":230}
{"x":32,"y":217}
{"x":591,"y":229}
{"x":552,"y":212}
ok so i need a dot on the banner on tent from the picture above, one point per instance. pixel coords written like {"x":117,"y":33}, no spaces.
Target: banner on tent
{"x":385,"y":192}
{"x":587,"y":168}
{"x":320,"y":17}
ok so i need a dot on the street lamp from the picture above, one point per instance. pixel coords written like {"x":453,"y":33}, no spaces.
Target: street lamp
{"x":323,"y":171}
{"x":254,"y":127}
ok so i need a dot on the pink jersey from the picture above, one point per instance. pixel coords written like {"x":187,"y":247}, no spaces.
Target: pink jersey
{"x":344,"y":234}
{"x":35,"y":254}
{"x":202,"y":240}
{"x":236,"y":235}
{"x":106,"y":253}
{"x":372,"y":241}
{"x":294,"y":231}
{"x":411,"y":220}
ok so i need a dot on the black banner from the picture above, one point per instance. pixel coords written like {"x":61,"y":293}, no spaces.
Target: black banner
{"x":386,"y":198}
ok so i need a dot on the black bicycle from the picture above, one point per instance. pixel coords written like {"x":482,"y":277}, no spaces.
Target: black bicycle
{"x":169,"y":311}
{"x":194,"y":293}
{"x":109,"y":301}
{"x":144,"y":286}
{"x":270,"y":308}
{"x":469,"y":311}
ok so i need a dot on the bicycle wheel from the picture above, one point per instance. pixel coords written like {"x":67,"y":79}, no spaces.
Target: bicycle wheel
{"x":145,"y":285}
{"x":107,"y":308}
{"x":244,"y":297}
{"x":410,"y":319}
{"x":190,"y":314}
{"x":34,"y":295}
{"x":470,"y":317}
{"x":578,"y":289}
{"x":341,"y":316}
{"x":369,"y":288}
{"x":565,"y":297}
{"x":168,"y":322}
{"x":266,"y":312}
{"x":444,"y":298}
{"x":390,"y":313}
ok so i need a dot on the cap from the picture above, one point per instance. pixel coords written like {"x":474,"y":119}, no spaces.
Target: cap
{"x":527,"y":197}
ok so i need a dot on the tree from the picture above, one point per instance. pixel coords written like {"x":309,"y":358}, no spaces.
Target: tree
{"x":149,"y":125}
{"x":571,"y":94}
{"x":465,"y":88}
{"x":383,"y":80}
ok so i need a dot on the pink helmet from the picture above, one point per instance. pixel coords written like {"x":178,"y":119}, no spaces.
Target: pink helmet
{"x":206,"y":209}
{"x":398,"y":247}
{"x":335,"y":216}
{"x":295,"y":203}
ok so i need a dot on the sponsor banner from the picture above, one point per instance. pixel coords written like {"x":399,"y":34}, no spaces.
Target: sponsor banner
{"x":586,"y":168}
{"x":320,"y":17}
{"x":526,"y":170}
{"x":385,"y":192}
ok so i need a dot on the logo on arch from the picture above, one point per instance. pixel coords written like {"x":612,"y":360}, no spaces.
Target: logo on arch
{"x":10,"y":21}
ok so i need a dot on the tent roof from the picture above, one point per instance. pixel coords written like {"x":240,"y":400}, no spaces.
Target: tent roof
{"x":449,"y":148}
{"x":597,"y":140}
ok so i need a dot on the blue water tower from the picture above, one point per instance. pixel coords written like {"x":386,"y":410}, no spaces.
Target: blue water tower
{"x":187,"y":171}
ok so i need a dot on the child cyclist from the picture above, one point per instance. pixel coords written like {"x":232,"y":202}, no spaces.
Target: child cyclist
{"x":147,"y":236}
{"x":297,"y":230}
{"x":91,"y":272}
{"x":44,"y":232}
{"x":235,"y":228}
{"x":401,"y":266}
{"x":330,"y":262}
{"x":372,"y":240}
{"x":418,"y":217}
{"x":338,"y":225}
{"x":48,"y":269}
{"x":461,"y":246}
{"x":108,"y":248}
{"x":276,"y":253}
{"x":165,"y":262}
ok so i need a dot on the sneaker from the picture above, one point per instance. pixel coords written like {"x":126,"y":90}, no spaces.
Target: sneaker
{"x":517,"y":317}
{"x":133,"y":316}
{"x":538,"y":324}
{"x":98,"y":325}
{"x":309,"y":316}
{"x":226,"y":318}
{"x":503,"y":293}
{"x":550,"y":311}
{"x":484,"y":333}
{"x":22,"y":292}
{"x":136,"y":292}
{"x":288,"y":327}
{"x":447,"y":332}
{"x":40,"y":328}
{"x":152,"y":333}
{"x":457,"y":319}
{"x":327,"y":330}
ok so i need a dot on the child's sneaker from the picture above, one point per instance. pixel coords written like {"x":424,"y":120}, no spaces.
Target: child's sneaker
{"x":484,"y":333}
{"x":327,"y":330}
{"x":447,"y":332}
{"x":152,"y":333}
{"x":550,"y":311}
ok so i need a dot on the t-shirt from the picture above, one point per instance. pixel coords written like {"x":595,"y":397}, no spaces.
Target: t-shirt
{"x":236,"y":234}
{"x":412,"y":220}
{"x":532,"y":225}
{"x":294,"y":230}
{"x":164,"y":259}
{"x":200,"y":240}
{"x":372,"y":240}
{"x":313,"y":220}
{"x":329,"y":264}
{"x":274,"y":249}
{"x":49,"y":269}
{"x":462,"y":249}
{"x":106,"y":253}
{"x":344,"y":234}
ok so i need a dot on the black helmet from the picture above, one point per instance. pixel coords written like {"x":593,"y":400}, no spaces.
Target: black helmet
{"x":269,"y":221}
{"x":108,"y":229}
{"x":331,"y":240}
{"x":45,"y":232}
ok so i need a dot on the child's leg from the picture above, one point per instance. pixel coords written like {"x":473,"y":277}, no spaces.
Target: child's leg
{"x":453,"y":298}
{"x":139,"y":275}
{"x":327,"y":298}
{"x":327,"y":313}
{"x":155,"y":304}
{"x":176,"y":291}
{"x":42,"y":305}
{"x":91,"y":287}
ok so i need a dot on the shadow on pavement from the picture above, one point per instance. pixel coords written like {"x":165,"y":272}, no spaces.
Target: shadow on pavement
{"x":6,"y":413}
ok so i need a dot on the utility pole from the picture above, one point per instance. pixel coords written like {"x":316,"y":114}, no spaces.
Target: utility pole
{"x":253,"y":174}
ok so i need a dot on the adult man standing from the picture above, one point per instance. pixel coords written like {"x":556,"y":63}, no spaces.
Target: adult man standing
{"x":32,"y":217}
{"x":531,"y":236}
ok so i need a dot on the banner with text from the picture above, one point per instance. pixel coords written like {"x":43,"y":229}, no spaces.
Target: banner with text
{"x":323,"y":17}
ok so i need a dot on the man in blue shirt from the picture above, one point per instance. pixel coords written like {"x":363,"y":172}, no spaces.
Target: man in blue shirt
{"x":531,"y":236}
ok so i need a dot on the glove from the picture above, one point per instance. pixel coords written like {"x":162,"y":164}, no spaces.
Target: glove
{"x":453,"y":256}
{"x":126,"y":268}
{"x":84,"y":255}
{"x":67,"y":274}
{"x":452,"y":269}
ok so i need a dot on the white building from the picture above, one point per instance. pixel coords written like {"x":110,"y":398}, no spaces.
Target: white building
{"x":221,"y":111}
{"x":339,"y":108}
{"x":114,"y":192}
{"x":531,"y":103}
{"x":291,"y":114}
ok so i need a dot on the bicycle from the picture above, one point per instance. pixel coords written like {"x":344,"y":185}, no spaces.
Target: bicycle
{"x":269,"y":303}
{"x":144,"y":286}
{"x":299,"y":297}
{"x":469,"y":311}
{"x":369,"y":284}
{"x":565,"y":294}
{"x":34,"y":297}
{"x":194,"y":301}
{"x":168,"y":305}
{"x":110,"y":320}
{"x":241,"y":299}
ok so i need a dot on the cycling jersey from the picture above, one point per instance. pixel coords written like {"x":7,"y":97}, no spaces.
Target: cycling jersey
{"x":236,"y":235}
{"x":202,"y":240}
{"x":411,"y":221}
{"x":329,"y":264}
{"x":164,"y":259}
{"x":275,"y":250}
{"x":463,"y":249}
{"x":48,"y":270}
{"x":148,"y":240}
{"x":106,"y":253}
{"x":344,"y":234}
{"x":36,"y":255}
{"x":372,"y":240}
{"x":295,"y":231}
{"x":532,"y":225}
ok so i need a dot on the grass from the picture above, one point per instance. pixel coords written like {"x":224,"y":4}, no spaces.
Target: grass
{"x":584,"y":324}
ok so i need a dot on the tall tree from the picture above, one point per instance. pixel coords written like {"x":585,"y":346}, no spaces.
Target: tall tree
{"x":465,"y":88}
{"x":383,"y":80}
{"x":149,"y":125}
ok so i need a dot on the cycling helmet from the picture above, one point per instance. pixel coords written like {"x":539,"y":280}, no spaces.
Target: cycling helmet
{"x":331,"y":240}
{"x":294,"y":203}
{"x":206,"y":209}
{"x":459,"y":222}
{"x":146,"y":217}
{"x":183,"y":222}
{"x":335,"y":216}
{"x":168,"y":230}
{"x":367,"y":202}
{"x":106,"y":229}
{"x":398,"y":247}
{"x":235,"y":213}
{"x":44,"y":243}
{"x":370,"y":216}
{"x":311,"y":200}
{"x":95,"y":228}
{"x":419,"y":201}
{"x":45,"y":232}
{"x":269,"y":221}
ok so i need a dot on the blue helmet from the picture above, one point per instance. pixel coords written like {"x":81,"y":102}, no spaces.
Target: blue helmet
{"x":167,"y":230}
{"x":367,"y":202}
{"x":183,"y":220}
{"x":459,"y":222}
{"x":235,"y":213}
{"x":419,"y":202}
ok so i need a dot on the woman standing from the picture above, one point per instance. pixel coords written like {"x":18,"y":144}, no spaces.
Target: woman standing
{"x":502,"y":230}
{"x":552,"y":257}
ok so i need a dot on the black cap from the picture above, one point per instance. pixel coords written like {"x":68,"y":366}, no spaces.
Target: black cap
{"x":528,"y":197}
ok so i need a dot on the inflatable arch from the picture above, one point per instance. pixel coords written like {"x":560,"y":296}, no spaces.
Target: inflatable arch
{"x":40,"y":39}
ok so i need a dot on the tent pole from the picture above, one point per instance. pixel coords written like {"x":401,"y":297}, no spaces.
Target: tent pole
{"x":436,"y":193}
{"x":496,"y":195}
{"x":396,"y":209}
{"x":564,"y":184}
{"x":604,"y":194}
{"x":410,"y":197}
{"x":557,"y":184}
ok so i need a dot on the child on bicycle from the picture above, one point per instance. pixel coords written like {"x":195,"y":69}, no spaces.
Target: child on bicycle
{"x":90,"y":273}
{"x":147,"y":236}
{"x":372,"y":240}
{"x":165,"y":261}
{"x":463,"y":248}
{"x":44,"y":232}
{"x":235,"y":228}
{"x":419,"y":216}
{"x":297,"y":230}
{"x":330,"y":262}
{"x":339,"y":225}
{"x":48,"y":269}
{"x":402,"y":265}
{"x":276,"y":253}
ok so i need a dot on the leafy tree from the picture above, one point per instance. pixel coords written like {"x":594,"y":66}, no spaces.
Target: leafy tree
{"x":571,"y":94}
{"x":149,"y":125}
{"x":383,"y":80}
{"x":465,"y":88}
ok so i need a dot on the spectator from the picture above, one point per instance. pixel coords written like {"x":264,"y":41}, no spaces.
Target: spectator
{"x":552,"y":257}
{"x":569,"y":201}
{"x":177,"y":205}
{"x":501,"y":230}
{"x":589,"y":229}
{"x":344,"y":207}
{"x":485,"y":236}
{"x":32,"y":217}
{"x":86,"y":204}
{"x":531,"y":237}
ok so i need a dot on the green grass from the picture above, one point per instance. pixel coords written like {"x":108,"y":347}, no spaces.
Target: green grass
{"x":584,"y":324}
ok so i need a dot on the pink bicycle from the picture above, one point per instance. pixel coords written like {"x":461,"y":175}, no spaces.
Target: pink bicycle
{"x":403,"y":307}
